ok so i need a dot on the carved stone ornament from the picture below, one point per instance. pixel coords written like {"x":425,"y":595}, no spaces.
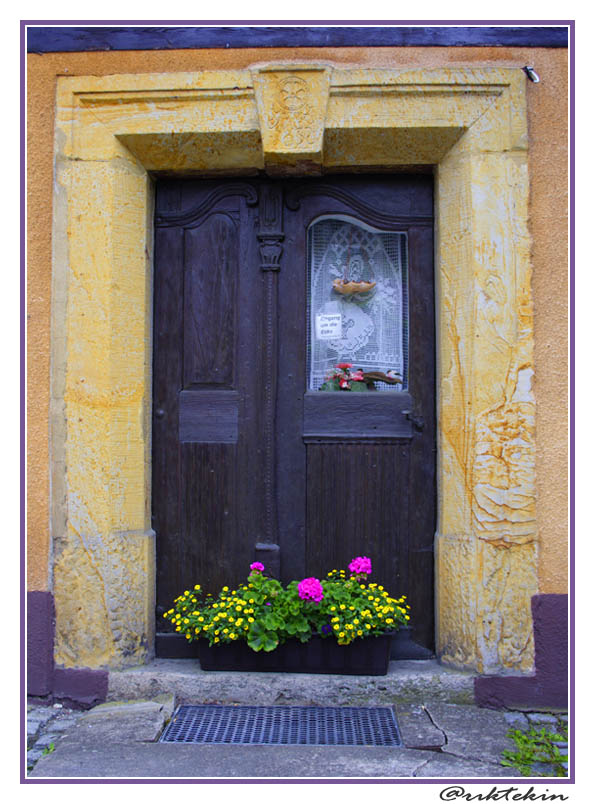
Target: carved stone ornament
{"x":292,"y":102}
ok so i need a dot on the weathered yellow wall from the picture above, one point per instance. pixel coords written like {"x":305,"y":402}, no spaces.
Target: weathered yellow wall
{"x":547,"y":157}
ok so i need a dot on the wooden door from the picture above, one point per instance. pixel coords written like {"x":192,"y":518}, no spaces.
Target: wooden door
{"x":246,"y":449}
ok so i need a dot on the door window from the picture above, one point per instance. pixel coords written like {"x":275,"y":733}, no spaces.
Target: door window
{"x":357,"y":300}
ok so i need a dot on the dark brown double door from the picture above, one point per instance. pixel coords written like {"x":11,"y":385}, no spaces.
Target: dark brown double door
{"x":246,"y":450}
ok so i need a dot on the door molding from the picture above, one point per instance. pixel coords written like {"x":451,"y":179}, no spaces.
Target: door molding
{"x":112,"y":132}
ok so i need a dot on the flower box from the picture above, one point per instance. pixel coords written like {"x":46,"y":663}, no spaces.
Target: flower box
{"x":363,"y":657}
{"x":338,"y":625}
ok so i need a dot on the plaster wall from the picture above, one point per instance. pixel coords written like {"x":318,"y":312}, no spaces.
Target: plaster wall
{"x":547,"y":162}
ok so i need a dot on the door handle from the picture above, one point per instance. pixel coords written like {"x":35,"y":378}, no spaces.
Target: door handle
{"x":159,"y":413}
{"x":417,"y":421}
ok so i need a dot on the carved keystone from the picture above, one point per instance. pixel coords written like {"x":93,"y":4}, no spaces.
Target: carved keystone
{"x":292,"y":102}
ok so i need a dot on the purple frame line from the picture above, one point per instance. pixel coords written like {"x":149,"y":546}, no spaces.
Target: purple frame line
{"x":301,"y":23}
{"x":22,"y":368}
{"x":475,"y":780}
{"x":571,"y":624}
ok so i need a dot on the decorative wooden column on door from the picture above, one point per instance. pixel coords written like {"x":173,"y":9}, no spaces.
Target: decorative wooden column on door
{"x":246,"y":448}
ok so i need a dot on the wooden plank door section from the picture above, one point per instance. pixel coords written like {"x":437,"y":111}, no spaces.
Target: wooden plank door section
{"x":246,"y":449}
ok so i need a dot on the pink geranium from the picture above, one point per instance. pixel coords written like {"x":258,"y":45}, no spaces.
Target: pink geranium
{"x":310,"y":589}
{"x":257,"y":567}
{"x":360,"y":566}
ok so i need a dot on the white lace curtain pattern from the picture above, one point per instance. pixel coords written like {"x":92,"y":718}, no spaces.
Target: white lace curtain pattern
{"x":366,"y":329}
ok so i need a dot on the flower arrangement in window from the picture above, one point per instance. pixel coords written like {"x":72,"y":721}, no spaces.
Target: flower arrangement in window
{"x":343,"y":378}
{"x":264,"y":613}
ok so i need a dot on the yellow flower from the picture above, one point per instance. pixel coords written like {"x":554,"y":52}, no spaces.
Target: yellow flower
{"x":341,"y":634}
{"x":197,"y":586}
{"x":250,"y":619}
{"x":336,"y":627}
{"x":360,"y":633}
{"x":216,"y":638}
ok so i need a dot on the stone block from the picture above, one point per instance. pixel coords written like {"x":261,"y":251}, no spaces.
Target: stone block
{"x":416,"y":728}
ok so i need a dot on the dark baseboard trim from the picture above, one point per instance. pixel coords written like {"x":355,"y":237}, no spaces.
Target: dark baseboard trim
{"x":548,"y":687}
{"x":40,"y":643}
{"x":80,"y":686}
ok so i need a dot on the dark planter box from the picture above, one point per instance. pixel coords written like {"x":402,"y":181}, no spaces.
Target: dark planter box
{"x":364,"y":657}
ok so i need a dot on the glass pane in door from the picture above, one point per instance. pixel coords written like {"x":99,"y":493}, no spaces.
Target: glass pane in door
{"x":358,"y":306}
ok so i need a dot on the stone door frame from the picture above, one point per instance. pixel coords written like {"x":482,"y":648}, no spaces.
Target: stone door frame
{"x":112,"y":133}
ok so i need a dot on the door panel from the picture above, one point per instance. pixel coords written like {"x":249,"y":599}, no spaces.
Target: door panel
{"x":243,"y":451}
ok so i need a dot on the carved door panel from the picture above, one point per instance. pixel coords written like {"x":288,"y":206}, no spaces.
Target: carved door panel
{"x":246,"y":448}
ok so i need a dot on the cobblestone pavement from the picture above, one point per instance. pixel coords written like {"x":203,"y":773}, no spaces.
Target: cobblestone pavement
{"x":46,"y":725}
{"x":439,"y":740}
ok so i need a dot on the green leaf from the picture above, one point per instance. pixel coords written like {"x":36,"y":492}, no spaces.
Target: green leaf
{"x":265,"y":641}
{"x":359,"y":386}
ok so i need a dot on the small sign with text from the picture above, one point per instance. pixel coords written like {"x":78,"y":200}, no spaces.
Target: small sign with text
{"x":328,"y":326}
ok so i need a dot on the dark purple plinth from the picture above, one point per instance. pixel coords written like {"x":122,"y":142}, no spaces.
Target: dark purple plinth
{"x":40,"y":643}
{"x":80,"y":686}
{"x":548,"y":688}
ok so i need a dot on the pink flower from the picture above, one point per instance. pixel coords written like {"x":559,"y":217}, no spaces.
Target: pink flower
{"x":310,"y":589}
{"x":360,"y":565}
{"x":257,"y":567}
{"x":358,"y":375}
{"x":343,"y":383}
{"x":344,"y":365}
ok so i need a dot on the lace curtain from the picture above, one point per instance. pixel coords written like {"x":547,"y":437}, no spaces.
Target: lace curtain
{"x":369,"y":329}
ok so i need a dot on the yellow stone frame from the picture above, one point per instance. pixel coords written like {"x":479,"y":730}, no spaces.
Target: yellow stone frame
{"x":112,"y":134}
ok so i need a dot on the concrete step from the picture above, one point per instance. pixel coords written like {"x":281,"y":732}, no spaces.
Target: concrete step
{"x":406,"y":682}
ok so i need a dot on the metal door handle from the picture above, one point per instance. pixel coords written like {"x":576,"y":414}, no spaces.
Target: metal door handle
{"x":417,"y":421}
{"x":159,"y":413}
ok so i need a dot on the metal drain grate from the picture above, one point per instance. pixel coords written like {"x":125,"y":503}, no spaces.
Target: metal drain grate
{"x":283,"y":725}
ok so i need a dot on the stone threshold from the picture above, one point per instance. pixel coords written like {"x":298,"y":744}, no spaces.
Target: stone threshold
{"x":406,"y":682}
